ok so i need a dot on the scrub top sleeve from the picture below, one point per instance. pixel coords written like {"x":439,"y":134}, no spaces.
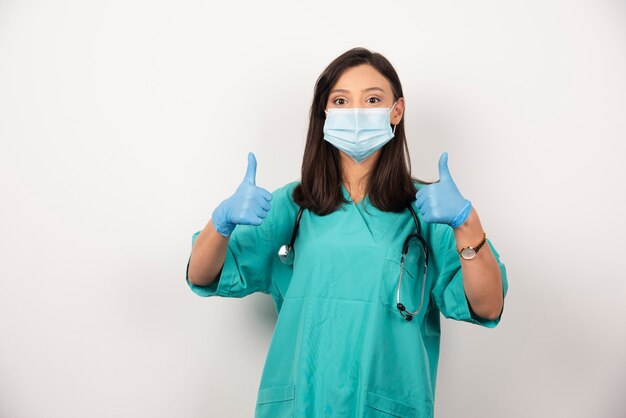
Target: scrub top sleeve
{"x":448,"y":292}
{"x":247,"y":265}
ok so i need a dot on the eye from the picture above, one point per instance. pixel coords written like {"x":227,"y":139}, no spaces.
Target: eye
{"x":339,"y":98}
{"x":373,"y":98}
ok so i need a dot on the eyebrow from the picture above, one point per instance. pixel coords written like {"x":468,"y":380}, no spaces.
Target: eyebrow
{"x":347,"y":91}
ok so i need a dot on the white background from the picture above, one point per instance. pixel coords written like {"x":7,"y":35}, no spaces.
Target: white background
{"x":124,"y":123}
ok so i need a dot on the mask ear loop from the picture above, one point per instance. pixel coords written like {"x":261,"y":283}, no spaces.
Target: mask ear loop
{"x":394,"y":126}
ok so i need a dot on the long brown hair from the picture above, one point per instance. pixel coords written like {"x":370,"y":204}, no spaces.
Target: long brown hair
{"x":390,"y":184}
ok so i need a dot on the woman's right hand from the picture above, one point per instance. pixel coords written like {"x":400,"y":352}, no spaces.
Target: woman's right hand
{"x":247,"y":206}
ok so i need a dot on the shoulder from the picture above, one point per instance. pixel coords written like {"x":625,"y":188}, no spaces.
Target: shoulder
{"x":283,"y":193}
{"x":282,"y":197}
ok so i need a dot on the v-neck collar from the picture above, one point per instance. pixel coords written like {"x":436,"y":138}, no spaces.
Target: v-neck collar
{"x":363,"y":202}
{"x":371,"y":215}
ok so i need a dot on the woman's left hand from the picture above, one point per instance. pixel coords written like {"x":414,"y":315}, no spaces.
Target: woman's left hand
{"x":442,"y":202}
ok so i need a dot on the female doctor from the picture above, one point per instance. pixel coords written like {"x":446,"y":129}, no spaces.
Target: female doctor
{"x":369,"y":258}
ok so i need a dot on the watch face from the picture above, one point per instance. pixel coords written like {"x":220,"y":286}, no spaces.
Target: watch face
{"x":468,"y":253}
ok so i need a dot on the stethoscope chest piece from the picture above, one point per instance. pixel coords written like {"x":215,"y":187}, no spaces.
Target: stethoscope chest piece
{"x":286,"y":251}
{"x":285,"y":254}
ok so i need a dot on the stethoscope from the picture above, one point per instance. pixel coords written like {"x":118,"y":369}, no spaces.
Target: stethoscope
{"x":286,"y":256}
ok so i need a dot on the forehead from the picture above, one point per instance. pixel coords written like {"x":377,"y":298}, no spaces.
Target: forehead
{"x":355,"y":79}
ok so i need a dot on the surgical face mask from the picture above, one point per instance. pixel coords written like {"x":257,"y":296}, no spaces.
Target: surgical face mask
{"x":359,"y":132}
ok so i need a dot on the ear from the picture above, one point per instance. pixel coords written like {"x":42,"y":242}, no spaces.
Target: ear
{"x":397,"y":112}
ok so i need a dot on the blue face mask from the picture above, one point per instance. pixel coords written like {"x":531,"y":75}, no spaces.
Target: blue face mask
{"x":359,"y":132}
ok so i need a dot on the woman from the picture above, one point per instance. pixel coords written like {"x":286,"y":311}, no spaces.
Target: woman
{"x":345,"y":343}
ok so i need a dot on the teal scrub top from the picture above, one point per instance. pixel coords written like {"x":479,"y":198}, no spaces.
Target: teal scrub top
{"x":340,"y":348}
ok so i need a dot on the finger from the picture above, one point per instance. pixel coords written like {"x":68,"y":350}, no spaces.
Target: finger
{"x":261,"y":202}
{"x":444,"y":172}
{"x":421,"y":198}
{"x":427,"y":214}
{"x":260,"y":212}
{"x":251,"y":170}
{"x":256,"y":221}
{"x":419,"y":193}
{"x":266,"y":195}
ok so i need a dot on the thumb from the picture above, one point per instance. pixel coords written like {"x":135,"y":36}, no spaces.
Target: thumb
{"x":251,"y":170}
{"x":444,"y":172}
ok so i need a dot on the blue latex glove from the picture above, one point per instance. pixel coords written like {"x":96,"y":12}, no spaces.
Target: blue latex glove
{"x":442,"y":202}
{"x":247,"y":206}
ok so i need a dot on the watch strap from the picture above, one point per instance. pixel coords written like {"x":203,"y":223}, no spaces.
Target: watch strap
{"x":478,"y":246}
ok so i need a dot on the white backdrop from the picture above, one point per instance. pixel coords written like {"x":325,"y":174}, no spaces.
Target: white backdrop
{"x":124,"y":123}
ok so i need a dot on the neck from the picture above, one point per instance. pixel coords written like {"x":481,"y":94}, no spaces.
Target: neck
{"x":355,"y":176}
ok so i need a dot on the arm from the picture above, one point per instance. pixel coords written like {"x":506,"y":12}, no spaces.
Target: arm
{"x":207,"y":256}
{"x":249,"y":205}
{"x":482,"y":280}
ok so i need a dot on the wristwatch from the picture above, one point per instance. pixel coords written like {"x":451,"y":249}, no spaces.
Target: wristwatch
{"x":470,"y":252}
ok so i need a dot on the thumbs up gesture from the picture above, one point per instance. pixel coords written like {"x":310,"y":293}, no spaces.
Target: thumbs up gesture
{"x":247,"y":206}
{"x":442,"y":202}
